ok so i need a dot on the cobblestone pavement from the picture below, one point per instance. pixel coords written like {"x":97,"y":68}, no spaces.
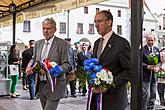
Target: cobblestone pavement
{"x":23,"y":102}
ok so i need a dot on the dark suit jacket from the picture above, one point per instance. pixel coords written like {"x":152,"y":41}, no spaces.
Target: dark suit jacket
{"x":71,"y":57}
{"x":26,"y":57}
{"x":81,"y":58}
{"x":146,"y":72}
{"x":116,"y":57}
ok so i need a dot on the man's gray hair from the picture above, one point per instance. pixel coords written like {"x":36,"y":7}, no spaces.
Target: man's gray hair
{"x":150,"y":35}
{"x":51,"y":21}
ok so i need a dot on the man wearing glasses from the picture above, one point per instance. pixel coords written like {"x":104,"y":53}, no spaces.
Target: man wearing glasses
{"x":114,"y":54}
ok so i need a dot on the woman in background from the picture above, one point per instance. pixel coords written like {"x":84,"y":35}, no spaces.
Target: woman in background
{"x":13,"y":61}
{"x":161,"y":77}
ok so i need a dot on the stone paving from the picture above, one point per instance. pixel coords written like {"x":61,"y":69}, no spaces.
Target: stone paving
{"x":23,"y":102}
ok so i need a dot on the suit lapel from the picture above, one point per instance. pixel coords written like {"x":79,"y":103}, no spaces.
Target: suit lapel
{"x":146,"y":51}
{"x":54,"y":43}
{"x":107,"y":48}
{"x":40,"y":48}
{"x":95,"y":48}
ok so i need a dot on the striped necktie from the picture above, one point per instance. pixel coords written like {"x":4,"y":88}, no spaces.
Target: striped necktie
{"x":99,"y":49}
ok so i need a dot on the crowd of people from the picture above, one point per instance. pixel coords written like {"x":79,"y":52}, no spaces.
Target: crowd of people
{"x":113,"y":52}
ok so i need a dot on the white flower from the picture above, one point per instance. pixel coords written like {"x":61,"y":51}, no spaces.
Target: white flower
{"x":97,"y":81}
{"x":98,"y":75}
{"x":152,"y":54}
{"x":53,"y":64}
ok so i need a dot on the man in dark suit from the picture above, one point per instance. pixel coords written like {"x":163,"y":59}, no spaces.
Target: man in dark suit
{"x":56,"y":50}
{"x":81,"y":57}
{"x":149,"y":79}
{"x":116,"y":57}
{"x":26,"y":57}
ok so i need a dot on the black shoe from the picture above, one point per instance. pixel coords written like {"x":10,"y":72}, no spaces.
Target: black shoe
{"x":37,"y":96}
{"x":73,"y":95}
{"x":32,"y":98}
{"x":83,"y":94}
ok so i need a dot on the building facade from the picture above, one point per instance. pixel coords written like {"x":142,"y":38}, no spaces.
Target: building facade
{"x":79,"y":23}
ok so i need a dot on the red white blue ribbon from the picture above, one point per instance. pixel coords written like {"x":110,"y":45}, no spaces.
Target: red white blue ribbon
{"x":98,"y":100}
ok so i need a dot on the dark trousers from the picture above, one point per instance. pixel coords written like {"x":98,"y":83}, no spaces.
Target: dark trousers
{"x":149,"y":95}
{"x":31,"y":85}
{"x":24,"y":79}
{"x":37,"y":81}
{"x":83,"y":87}
{"x":72,"y":86}
{"x":161,"y":87}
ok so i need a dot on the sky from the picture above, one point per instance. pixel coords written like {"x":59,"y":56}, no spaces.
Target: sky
{"x":156,"y":6}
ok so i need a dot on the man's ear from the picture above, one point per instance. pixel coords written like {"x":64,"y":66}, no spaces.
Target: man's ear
{"x":109,"y":22}
{"x":55,"y":29}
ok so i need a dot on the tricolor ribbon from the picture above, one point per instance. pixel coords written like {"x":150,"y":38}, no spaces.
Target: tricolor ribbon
{"x":98,"y":100}
{"x":51,"y":72}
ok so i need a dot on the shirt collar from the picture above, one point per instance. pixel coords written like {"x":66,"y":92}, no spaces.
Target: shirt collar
{"x":149,"y":47}
{"x":107,"y":36}
{"x":50,"y":40}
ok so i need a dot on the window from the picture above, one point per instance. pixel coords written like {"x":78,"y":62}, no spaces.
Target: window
{"x":119,"y":29}
{"x":85,"y":10}
{"x":144,"y":29}
{"x":152,"y":30}
{"x":91,"y":29}
{"x":119,"y":13}
{"x":26,"y":26}
{"x":97,"y":9}
{"x":79,"y":28}
{"x":163,"y":23}
{"x":159,"y":27}
{"x":62,"y":28}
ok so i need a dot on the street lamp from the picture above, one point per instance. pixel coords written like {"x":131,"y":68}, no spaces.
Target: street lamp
{"x":12,"y":9}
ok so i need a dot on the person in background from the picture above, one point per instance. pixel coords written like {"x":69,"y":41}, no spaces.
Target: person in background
{"x":76,"y":51}
{"x":71,"y":74}
{"x":13,"y":60}
{"x":24,"y":77}
{"x":160,"y":69}
{"x":149,"y":77}
{"x":26,"y":57}
{"x":81,"y":57}
{"x":56,"y":50}
{"x":114,"y":53}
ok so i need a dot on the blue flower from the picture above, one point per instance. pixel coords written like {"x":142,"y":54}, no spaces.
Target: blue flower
{"x":55,"y":71}
{"x":98,"y":68}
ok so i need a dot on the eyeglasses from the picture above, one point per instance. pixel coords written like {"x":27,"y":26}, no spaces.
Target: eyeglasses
{"x":99,"y":21}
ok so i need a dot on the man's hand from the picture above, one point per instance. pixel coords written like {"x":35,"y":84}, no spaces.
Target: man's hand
{"x":156,"y":69}
{"x":151,"y":67}
{"x":42,"y":71}
{"x":29,"y":70}
{"x":99,"y":90}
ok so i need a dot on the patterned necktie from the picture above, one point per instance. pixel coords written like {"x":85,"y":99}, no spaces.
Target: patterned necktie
{"x":99,"y":49}
{"x":45,"y":51}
